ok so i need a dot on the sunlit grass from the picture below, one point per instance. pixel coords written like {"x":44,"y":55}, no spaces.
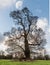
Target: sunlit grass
{"x":36,"y":62}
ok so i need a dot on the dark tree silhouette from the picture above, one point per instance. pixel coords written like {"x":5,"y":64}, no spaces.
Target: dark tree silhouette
{"x":26,"y":23}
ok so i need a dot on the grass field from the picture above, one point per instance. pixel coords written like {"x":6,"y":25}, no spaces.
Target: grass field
{"x":37,"y":62}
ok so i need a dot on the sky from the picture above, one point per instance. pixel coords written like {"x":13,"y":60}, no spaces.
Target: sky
{"x":38,"y":8}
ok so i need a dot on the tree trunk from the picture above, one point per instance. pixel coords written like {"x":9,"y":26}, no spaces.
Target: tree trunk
{"x":27,"y":50}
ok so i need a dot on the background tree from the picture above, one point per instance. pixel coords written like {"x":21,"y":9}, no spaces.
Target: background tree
{"x":26,"y":31}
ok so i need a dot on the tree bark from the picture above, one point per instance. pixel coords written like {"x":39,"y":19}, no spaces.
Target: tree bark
{"x":27,"y":50}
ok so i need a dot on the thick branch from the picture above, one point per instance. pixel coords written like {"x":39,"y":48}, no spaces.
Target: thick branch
{"x":29,"y":24}
{"x":21,"y":23}
{"x":13,"y":48}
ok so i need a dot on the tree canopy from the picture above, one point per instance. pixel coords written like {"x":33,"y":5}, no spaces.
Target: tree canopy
{"x":26,"y":32}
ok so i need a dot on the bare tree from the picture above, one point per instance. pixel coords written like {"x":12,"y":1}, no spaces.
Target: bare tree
{"x":27,"y":30}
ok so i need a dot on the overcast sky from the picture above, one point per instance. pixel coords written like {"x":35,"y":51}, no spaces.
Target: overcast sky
{"x":39,"y":8}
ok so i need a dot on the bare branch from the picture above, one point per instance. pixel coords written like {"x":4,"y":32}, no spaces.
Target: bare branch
{"x":31,"y":20}
{"x":20,"y":47}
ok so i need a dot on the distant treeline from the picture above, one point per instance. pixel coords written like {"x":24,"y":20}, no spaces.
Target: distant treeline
{"x":6,"y":57}
{"x":46,"y":57}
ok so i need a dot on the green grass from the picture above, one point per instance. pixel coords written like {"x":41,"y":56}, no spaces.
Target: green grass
{"x":37,"y":62}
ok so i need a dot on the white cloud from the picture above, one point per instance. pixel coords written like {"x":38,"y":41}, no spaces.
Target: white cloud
{"x":19,"y":4}
{"x":42,"y":23}
{"x":48,"y":50}
{"x":48,"y":35}
{"x":6,"y":3}
{"x":48,"y":40}
{"x":49,"y":30}
{"x":6,"y":38}
{"x":2,"y":42}
{"x":3,"y":38}
{"x":3,"y":47}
